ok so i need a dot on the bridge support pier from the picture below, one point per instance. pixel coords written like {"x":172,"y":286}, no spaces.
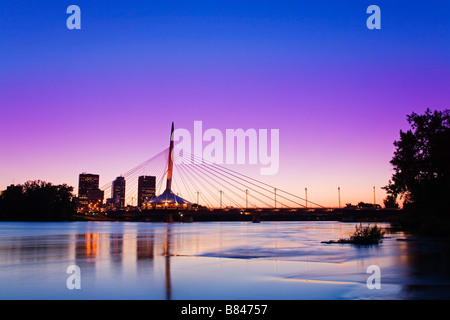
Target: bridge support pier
{"x":168,"y":217}
{"x":186,"y":218}
{"x":256,"y":218}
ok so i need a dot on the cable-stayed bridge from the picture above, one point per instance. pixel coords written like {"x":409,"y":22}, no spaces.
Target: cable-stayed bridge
{"x":210,"y":185}
{"x":188,"y":184}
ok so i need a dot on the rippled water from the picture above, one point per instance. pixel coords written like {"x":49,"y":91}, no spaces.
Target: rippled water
{"x":214,"y":260}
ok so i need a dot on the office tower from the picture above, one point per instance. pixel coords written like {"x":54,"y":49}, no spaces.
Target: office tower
{"x":89,"y":195}
{"x":87,"y":181}
{"x":146,"y":188}
{"x":118,"y":192}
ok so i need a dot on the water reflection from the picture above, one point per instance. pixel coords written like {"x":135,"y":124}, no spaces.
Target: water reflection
{"x":167,"y":261}
{"x":283,"y":260}
{"x":128,"y":252}
{"x":428,"y":273}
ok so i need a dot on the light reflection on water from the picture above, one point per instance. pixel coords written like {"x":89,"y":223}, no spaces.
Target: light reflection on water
{"x":223,"y":260}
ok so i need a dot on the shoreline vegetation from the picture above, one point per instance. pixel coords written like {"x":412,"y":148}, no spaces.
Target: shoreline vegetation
{"x":368,"y":235}
{"x":421,"y":178}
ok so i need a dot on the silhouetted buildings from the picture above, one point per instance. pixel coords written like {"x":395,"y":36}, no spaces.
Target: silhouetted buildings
{"x":90,"y":197}
{"x":118,"y":192}
{"x":146,"y":188}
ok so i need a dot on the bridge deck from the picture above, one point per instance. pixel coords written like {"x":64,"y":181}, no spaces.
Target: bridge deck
{"x":263,"y":214}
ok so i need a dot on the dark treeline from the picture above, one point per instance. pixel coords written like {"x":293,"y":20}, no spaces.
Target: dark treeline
{"x":37,"y":201}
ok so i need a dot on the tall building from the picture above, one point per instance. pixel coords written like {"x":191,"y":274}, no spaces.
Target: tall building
{"x":146,"y":188}
{"x":118,"y":192}
{"x":87,"y":181}
{"x":90,"y":197}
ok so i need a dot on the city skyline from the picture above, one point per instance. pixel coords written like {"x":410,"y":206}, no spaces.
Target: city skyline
{"x":100,"y":99}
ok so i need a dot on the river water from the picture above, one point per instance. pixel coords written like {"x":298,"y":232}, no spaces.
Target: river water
{"x":215,"y":260}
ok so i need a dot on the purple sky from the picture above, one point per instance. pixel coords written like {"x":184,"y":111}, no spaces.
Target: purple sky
{"x":101,"y":99}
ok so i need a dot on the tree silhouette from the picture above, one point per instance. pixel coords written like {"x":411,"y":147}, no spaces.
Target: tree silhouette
{"x":390,"y":202}
{"x":37,"y":200}
{"x":422,"y":164}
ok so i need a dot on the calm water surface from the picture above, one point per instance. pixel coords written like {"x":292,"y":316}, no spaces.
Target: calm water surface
{"x":209,"y":260}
